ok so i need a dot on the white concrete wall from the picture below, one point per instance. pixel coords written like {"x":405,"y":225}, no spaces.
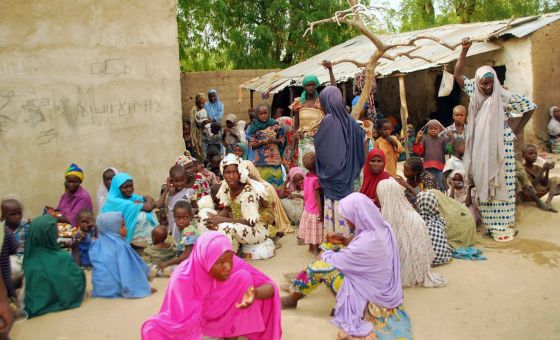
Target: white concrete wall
{"x":91,"y":82}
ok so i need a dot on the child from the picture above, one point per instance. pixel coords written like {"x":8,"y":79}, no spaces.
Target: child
{"x":187,"y":135}
{"x":455,"y":162}
{"x":213,"y":141}
{"x":214,"y":166}
{"x":539,"y":175}
{"x":15,"y":224}
{"x":433,"y":148}
{"x":183,"y":214}
{"x":159,"y":250}
{"x":463,"y":193}
{"x":9,"y":248}
{"x":390,"y":146}
{"x":411,"y":136}
{"x":174,"y":191}
{"x":458,"y":129}
{"x":82,"y":239}
{"x":311,"y":223}
{"x":291,"y":194}
{"x":231,"y":134}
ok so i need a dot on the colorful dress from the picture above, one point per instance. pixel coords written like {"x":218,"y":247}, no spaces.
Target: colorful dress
{"x":496,"y":213}
{"x":309,"y":122}
{"x":310,"y":228}
{"x":72,"y":203}
{"x":426,"y":182}
{"x":268,"y":158}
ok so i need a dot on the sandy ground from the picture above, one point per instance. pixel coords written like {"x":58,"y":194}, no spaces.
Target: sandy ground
{"x":512,"y":295}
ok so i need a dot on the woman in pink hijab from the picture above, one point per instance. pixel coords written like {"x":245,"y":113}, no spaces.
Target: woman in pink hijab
{"x":215,"y":293}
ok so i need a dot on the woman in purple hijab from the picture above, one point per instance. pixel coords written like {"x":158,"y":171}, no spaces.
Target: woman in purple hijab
{"x":339,"y":149}
{"x":364,"y":275}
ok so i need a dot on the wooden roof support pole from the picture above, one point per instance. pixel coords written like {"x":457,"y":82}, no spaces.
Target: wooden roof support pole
{"x":404,"y":115}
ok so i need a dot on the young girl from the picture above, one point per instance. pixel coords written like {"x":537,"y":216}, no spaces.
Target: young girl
{"x":216,"y":294}
{"x":291,"y":194}
{"x":311,"y":223}
{"x":103,"y":189}
{"x":390,"y":146}
{"x":417,"y":180}
{"x":138,"y":211}
{"x":231,"y":133}
{"x":183,"y":214}
{"x":463,"y":193}
{"x":433,"y":148}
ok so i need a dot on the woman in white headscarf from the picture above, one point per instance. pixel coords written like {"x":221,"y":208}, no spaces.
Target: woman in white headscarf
{"x":489,"y":155}
{"x":103,"y":190}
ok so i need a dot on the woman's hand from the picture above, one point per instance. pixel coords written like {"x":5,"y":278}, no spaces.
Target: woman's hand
{"x":466,"y":43}
{"x":327,"y":64}
{"x":248,"y":299}
{"x":214,"y":220}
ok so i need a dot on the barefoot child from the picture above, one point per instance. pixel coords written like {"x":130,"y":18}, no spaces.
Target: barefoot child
{"x":83,"y":238}
{"x":433,"y":148}
{"x":291,"y":194}
{"x":159,"y":250}
{"x":539,"y":175}
{"x":183,"y":215}
{"x":311,"y":223}
{"x":455,"y":162}
{"x":463,"y":193}
{"x":14,"y":223}
{"x":458,"y":129}
{"x":174,"y":191}
{"x":390,"y":146}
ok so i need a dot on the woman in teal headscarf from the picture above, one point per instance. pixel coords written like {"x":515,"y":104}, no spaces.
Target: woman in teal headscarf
{"x":137,"y":210}
{"x":308,"y":115}
{"x":53,"y":282}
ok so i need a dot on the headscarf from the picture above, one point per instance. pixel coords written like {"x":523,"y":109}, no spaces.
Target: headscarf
{"x":243,"y":147}
{"x":485,"y":150}
{"x":369,"y":185}
{"x":130,"y":208}
{"x":118,"y":271}
{"x":241,"y":128}
{"x":292,"y":174}
{"x":53,"y":282}
{"x":215,"y":110}
{"x":196,"y":304}
{"x":358,"y":86}
{"x":415,"y":247}
{"x":310,"y":78}
{"x":339,"y":146}
{"x":553,"y":125}
{"x":281,"y":219}
{"x":257,"y":125}
{"x":184,"y":160}
{"x":458,"y":194}
{"x":74,"y":170}
{"x":102,"y":190}
{"x":428,"y":208}
{"x":370,"y":265}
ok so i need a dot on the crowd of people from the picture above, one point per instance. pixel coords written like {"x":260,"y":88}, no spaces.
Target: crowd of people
{"x":240,"y":187}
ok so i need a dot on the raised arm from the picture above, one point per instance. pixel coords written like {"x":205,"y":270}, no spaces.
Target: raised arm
{"x":460,"y":66}
{"x":328,"y":65}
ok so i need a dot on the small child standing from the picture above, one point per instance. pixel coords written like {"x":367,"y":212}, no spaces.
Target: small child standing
{"x":390,"y":146}
{"x":174,"y":192}
{"x":311,"y":223}
{"x":433,"y":148}
{"x":458,"y":129}
{"x":159,"y":251}
{"x":455,"y":162}
{"x":183,"y":214}
{"x":463,"y":193}
{"x":83,"y":238}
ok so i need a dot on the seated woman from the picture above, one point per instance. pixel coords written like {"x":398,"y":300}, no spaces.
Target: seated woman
{"x":53,"y":282}
{"x":246,"y":217}
{"x":417,"y":179}
{"x":103,"y":189}
{"x":374,"y":172}
{"x":364,"y":276}
{"x":214,"y":293}
{"x":415,"y":246}
{"x":118,"y":271}
{"x":281,"y":220}
{"x":429,"y":210}
{"x":553,"y":129}
{"x":267,"y":140}
{"x":74,"y":199}
{"x":291,"y":194}
{"x":137,"y":210}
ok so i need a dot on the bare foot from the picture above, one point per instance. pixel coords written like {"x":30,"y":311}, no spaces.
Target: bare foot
{"x":288,"y":302}
{"x":153,"y":290}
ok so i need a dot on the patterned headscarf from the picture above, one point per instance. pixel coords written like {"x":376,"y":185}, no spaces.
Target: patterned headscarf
{"x":74,"y":170}
{"x":310,"y":78}
{"x":184,"y":160}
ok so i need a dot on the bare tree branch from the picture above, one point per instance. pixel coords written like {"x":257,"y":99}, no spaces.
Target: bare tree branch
{"x":355,"y":62}
{"x":407,"y":54}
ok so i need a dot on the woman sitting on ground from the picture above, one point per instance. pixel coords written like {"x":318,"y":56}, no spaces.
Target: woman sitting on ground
{"x":246,"y":217}
{"x":373,"y":174}
{"x":415,"y":246}
{"x":553,"y":129}
{"x":267,"y":140}
{"x":53,"y":282}
{"x":74,"y":199}
{"x":137,"y":210}
{"x":214,"y":293}
{"x":417,"y":179}
{"x":429,"y":210}
{"x":118,"y":271}
{"x":364,"y":276}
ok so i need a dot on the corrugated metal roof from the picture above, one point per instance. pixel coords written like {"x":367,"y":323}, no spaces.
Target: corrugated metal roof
{"x":360,"y":48}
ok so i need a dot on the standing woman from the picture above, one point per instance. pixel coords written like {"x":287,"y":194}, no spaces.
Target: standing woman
{"x":339,"y":150}
{"x":267,"y":140}
{"x":214,"y":107}
{"x":489,"y":155}
{"x":199,"y":118}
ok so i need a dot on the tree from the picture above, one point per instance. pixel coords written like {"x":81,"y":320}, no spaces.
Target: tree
{"x":238,"y":34}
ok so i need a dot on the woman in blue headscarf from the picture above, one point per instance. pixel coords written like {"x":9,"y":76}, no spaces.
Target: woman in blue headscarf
{"x":214,"y":107}
{"x":118,"y":271}
{"x":137,"y":210}
{"x":339,"y":150}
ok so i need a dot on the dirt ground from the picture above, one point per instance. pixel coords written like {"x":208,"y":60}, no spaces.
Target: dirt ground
{"x":512,"y":295}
